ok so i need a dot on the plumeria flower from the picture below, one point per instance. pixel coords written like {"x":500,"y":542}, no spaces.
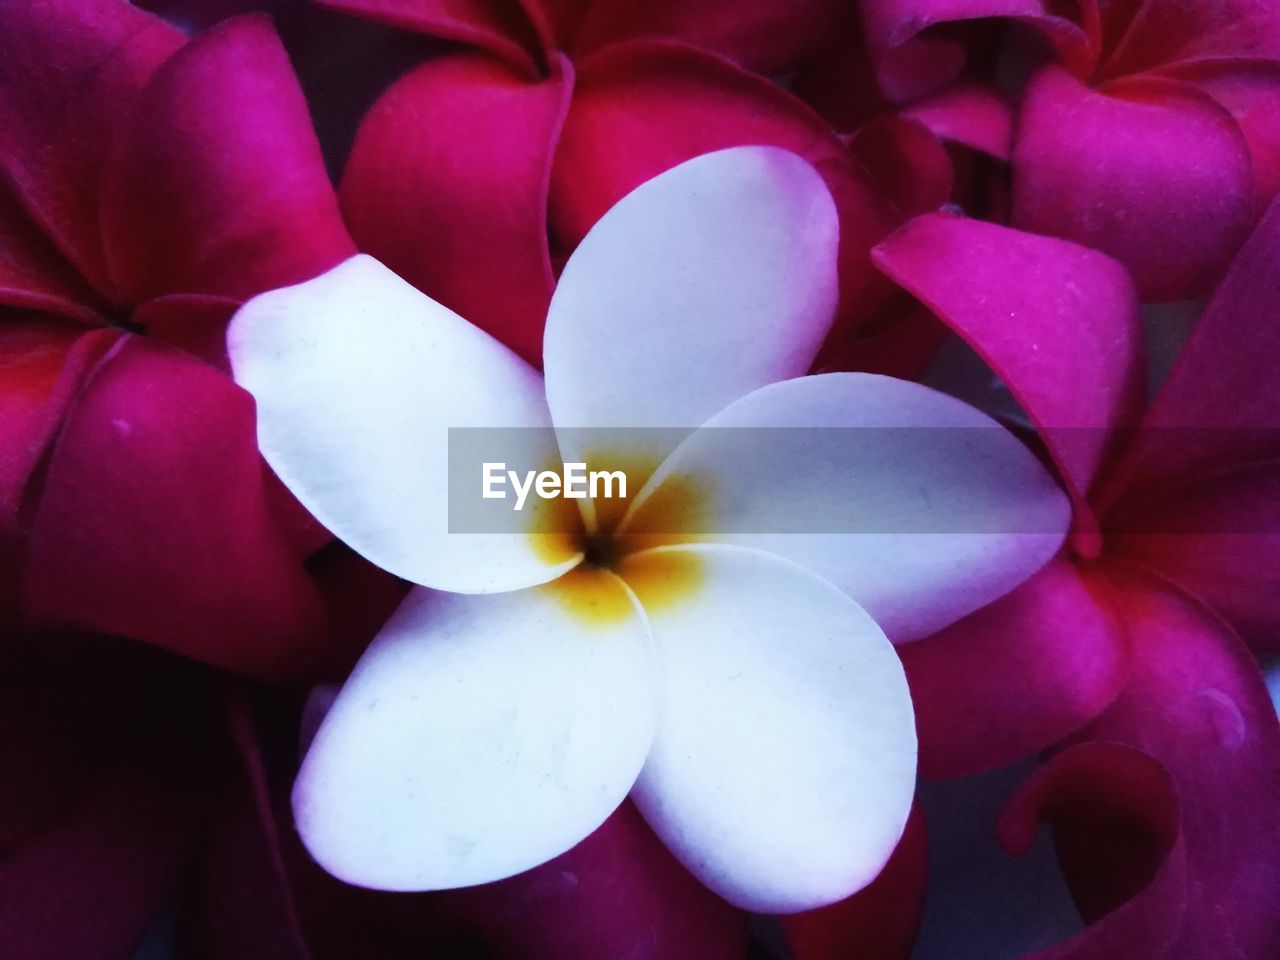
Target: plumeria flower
{"x":741,"y":688}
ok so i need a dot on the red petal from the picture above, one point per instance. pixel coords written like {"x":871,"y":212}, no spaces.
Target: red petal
{"x":1115,"y":814}
{"x":155,"y":524}
{"x":91,"y":881}
{"x":911,"y":63}
{"x":616,"y":893}
{"x":241,"y":905}
{"x":1218,"y":538}
{"x":762,"y":35}
{"x":1161,"y":33}
{"x":1198,"y":705}
{"x":69,"y":71}
{"x":878,"y":922}
{"x":1151,"y":171}
{"x":907,"y":161}
{"x":1072,"y":358}
{"x":33,"y":274}
{"x":972,"y":115}
{"x":643,"y":108}
{"x":499,"y":28}
{"x":447,"y":185}
{"x":1249,"y":91}
{"x":619,"y":893}
{"x":216,"y":184}
{"x":1218,"y":406}
{"x":1016,"y":676}
{"x":44,"y":363}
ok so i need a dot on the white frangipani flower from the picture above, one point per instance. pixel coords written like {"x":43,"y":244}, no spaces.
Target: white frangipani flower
{"x":737,"y":687}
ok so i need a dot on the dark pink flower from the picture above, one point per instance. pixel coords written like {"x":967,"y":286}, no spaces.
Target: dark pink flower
{"x":477,"y":172}
{"x":1118,"y":640}
{"x":150,"y":185}
{"x":1144,"y":130}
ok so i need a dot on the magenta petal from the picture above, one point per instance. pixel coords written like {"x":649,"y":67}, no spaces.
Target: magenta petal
{"x":642,"y":108}
{"x":762,"y":35}
{"x":1115,"y":815}
{"x":907,"y":161}
{"x":154,"y":521}
{"x":1197,"y":704}
{"x":1217,"y":537}
{"x":1249,"y":91}
{"x":911,"y":63}
{"x":33,"y":274}
{"x":1219,"y":405}
{"x":447,"y":185}
{"x":69,"y":71}
{"x":1073,"y":355}
{"x":44,"y":364}
{"x":1161,"y":33}
{"x":619,"y":893}
{"x":91,"y":880}
{"x":616,"y":894}
{"x":500,"y":28}
{"x":971,"y":115}
{"x":879,"y":921}
{"x":240,"y":904}
{"x":216,"y":184}
{"x":1016,"y":676}
{"x":1151,"y":171}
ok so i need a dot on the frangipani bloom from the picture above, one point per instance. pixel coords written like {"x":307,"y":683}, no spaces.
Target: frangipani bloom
{"x":741,"y":692}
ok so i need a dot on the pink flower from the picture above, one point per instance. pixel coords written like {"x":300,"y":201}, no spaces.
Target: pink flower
{"x":1128,"y":637}
{"x":1148,"y":134}
{"x":151,"y":184}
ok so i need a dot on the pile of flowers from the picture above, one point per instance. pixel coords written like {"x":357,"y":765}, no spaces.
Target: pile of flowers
{"x":262,"y":699}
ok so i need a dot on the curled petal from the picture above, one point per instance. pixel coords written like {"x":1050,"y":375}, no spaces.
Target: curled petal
{"x":447,"y":185}
{"x":1115,"y":814}
{"x":784,"y":763}
{"x":215,"y":184}
{"x":911,"y":63}
{"x":1151,"y":171}
{"x":1198,"y":705}
{"x":1058,"y":323}
{"x":1017,"y":676}
{"x":480,"y":736}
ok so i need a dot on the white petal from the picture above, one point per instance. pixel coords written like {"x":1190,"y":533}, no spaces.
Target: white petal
{"x":480,"y":736}
{"x":784,"y":765}
{"x":934,"y":512}
{"x":711,"y":279}
{"x":358,"y":378}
